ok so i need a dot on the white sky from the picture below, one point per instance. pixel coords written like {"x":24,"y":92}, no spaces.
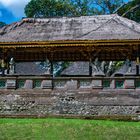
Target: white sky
{"x":15,"y":6}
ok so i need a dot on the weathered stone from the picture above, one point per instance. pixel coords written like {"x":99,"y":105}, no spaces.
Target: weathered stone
{"x":60,"y":84}
{"x":112,"y":84}
{"x":71,"y":85}
{"x":56,"y":102}
{"x":97,"y":84}
{"x":85,"y":84}
{"x":46,"y":84}
{"x":129,"y":84}
{"x":11,"y":84}
{"x":28,"y":84}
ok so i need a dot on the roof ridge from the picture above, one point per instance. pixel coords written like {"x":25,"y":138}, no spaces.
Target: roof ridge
{"x":113,"y":16}
{"x":63,"y":17}
{"x":122,"y":22}
{"x":82,"y":28}
{"x":12,"y":26}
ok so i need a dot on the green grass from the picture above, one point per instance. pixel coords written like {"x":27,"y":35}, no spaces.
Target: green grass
{"x":68,"y":129}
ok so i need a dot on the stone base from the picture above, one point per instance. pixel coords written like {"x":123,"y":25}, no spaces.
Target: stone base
{"x":130,"y":84}
{"x":11,"y":84}
{"x":46,"y":84}
{"x":97,"y":84}
{"x":28,"y":84}
{"x":95,"y":102}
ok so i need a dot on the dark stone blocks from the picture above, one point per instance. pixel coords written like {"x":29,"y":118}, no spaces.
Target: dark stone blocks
{"x":56,"y":102}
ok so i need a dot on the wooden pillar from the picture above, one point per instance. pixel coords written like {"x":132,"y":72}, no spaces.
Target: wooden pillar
{"x":137,"y":66}
{"x":137,"y":62}
{"x":3,"y":67}
{"x":3,"y":56}
{"x":90,"y":67}
{"x":52,"y":75}
{"x":52,"y":68}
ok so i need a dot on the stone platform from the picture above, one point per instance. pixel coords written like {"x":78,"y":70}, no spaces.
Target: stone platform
{"x":69,"y":96}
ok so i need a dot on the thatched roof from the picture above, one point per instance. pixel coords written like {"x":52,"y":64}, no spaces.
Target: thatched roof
{"x":124,"y":70}
{"x":82,"y":69}
{"x":103,"y":27}
{"x":29,"y":68}
{"x":76,"y":68}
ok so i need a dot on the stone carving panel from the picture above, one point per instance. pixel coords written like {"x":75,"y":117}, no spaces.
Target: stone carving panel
{"x":60,"y":84}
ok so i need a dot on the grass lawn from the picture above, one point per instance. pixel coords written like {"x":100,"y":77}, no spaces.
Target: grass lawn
{"x":68,"y":129}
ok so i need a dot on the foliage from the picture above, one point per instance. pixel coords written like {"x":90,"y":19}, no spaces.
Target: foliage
{"x":108,"y":6}
{"x":67,"y":129}
{"x":2,"y":24}
{"x":131,"y":10}
{"x":84,"y":7}
{"x":112,"y":66}
{"x":58,"y":67}
{"x":51,"y":8}
{"x":109,"y":67}
{"x":48,"y":8}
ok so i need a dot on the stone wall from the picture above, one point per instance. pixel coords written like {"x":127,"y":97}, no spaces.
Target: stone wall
{"x":78,"y":102}
{"x":69,"y":96}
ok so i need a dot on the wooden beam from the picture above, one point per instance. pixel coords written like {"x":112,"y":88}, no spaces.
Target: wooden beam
{"x":73,"y":50}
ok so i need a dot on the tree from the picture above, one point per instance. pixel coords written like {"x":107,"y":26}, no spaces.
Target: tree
{"x":131,"y":10}
{"x":83,"y":7}
{"x":108,"y":6}
{"x":2,"y":24}
{"x":49,"y":8}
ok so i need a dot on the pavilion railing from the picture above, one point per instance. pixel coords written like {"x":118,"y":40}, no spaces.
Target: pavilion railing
{"x":68,"y":83}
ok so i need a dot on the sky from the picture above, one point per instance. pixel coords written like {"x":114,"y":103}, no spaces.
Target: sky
{"x":13,"y":10}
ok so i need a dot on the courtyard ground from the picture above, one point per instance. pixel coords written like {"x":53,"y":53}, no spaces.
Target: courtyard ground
{"x":68,"y":129}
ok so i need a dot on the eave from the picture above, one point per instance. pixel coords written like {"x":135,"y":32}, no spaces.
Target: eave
{"x":72,"y":50}
{"x":64,"y":43}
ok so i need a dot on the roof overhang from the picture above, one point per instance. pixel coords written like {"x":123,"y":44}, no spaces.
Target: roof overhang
{"x":65,"y":43}
{"x":73,"y":50}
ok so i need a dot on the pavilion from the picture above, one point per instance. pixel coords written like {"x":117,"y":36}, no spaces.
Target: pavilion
{"x":85,"y":38}
{"x":106,"y":37}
